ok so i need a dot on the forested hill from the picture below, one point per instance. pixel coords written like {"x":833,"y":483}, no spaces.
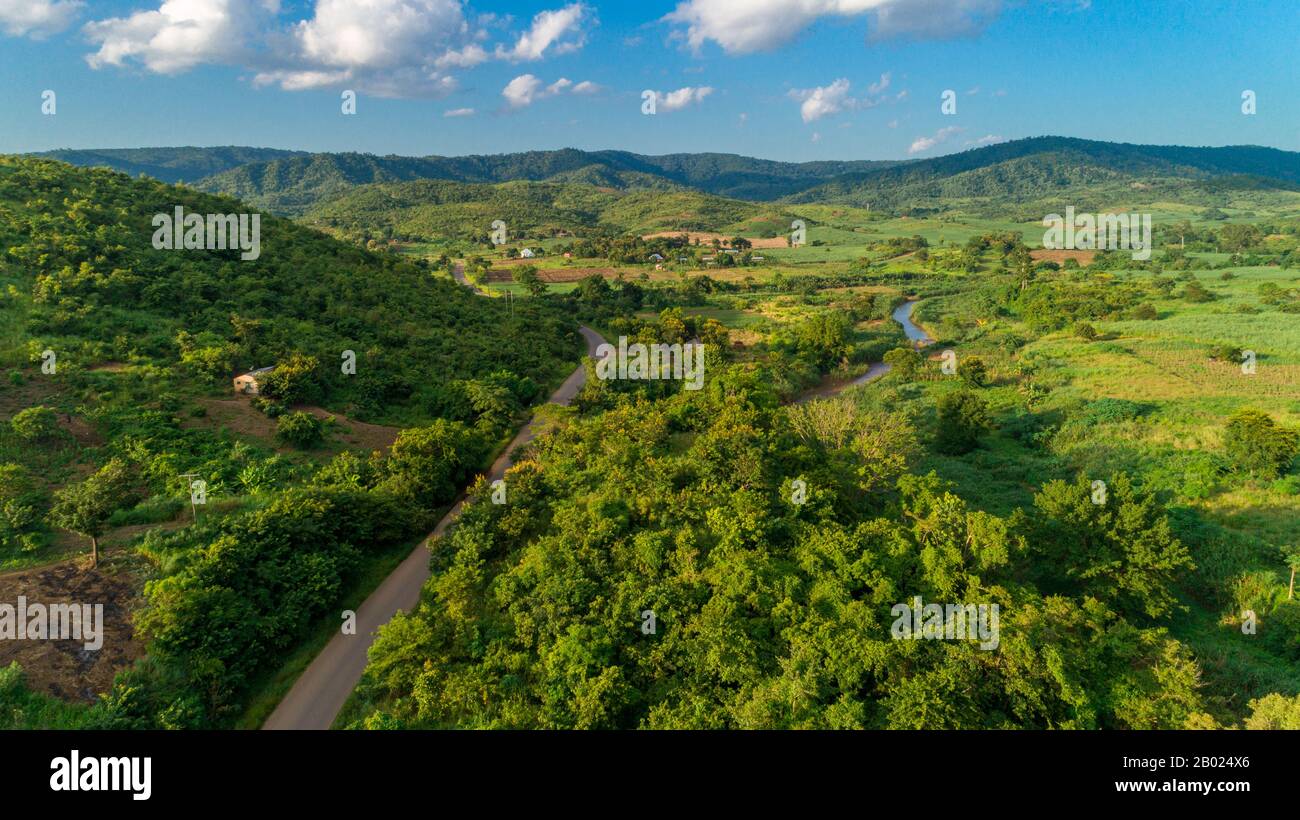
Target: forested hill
{"x":85,"y":280}
{"x":292,"y":183}
{"x":1032,"y":167}
{"x":168,"y":164}
{"x":438,"y":208}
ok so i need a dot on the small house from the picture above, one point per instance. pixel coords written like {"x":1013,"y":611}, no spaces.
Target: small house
{"x":248,"y":384}
{"x":655,"y":257}
{"x":526,"y":253}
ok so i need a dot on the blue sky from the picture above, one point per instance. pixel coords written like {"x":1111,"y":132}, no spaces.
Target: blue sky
{"x":793,"y":80}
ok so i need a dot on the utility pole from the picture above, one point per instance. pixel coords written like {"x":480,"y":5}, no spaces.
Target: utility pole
{"x":193,"y":508}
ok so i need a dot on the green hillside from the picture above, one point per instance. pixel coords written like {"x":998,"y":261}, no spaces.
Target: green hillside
{"x":429,"y":209}
{"x":168,"y":164}
{"x":91,"y":284}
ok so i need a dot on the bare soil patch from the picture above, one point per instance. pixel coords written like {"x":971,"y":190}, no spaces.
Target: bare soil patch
{"x":1058,"y":256}
{"x":65,"y":668}
{"x":240,"y":417}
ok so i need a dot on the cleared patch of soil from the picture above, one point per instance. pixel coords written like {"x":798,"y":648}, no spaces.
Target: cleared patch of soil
{"x":1058,"y":256}
{"x":65,"y":668}
{"x":240,"y":417}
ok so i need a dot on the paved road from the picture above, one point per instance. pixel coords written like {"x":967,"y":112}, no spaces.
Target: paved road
{"x":322,"y":689}
{"x":918,"y":337}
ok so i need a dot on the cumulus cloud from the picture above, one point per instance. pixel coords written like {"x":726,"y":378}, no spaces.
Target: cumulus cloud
{"x":682,"y":97}
{"x":823,"y":100}
{"x":826,"y":100}
{"x":562,"y":28}
{"x":178,"y":36}
{"x":941,"y":136}
{"x":744,"y":26}
{"x":394,"y":48}
{"x":525,"y":89}
{"x":37,"y":18}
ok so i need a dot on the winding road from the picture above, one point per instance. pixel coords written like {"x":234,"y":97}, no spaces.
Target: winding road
{"x":321,"y":690}
{"x":325,"y":685}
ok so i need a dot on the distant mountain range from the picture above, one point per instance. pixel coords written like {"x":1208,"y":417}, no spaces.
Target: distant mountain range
{"x":292,"y":182}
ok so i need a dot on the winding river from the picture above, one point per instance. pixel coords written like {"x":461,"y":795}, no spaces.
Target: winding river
{"x":915,"y":334}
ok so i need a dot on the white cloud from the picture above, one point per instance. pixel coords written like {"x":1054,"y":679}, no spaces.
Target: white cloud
{"x":459,"y":112}
{"x":178,"y":36}
{"x":941,"y":136}
{"x":525,"y":89}
{"x":551,"y":28}
{"x":990,"y":139}
{"x":393,"y":48}
{"x":37,"y":18}
{"x":682,"y":97}
{"x":521,"y":91}
{"x":825,"y":100}
{"x":743,"y":26}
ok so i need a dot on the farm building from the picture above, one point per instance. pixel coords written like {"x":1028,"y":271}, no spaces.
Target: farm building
{"x":247,"y":384}
{"x":526,"y":253}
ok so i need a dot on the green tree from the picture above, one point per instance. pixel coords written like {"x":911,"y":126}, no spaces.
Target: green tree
{"x":1258,"y":445}
{"x":296,"y":380}
{"x":904,"y":361}
{"x":84,"y":507}
{"x":526,"y":275}
{"x":963,"y":418}
{"x":301,"y":430}
{"x":1113,"y":540}
{"x":973,"y":372}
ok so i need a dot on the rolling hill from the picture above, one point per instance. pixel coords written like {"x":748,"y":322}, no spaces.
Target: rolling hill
{"x":426,"y":209}
{"x":168,"y":164}
{"x":1027,"y":171}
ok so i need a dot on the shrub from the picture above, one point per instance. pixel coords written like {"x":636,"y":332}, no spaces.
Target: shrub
{"x":907,"y":363}
{"x":973,"y":372}
{"x":1085,"y":331}
{"x":1258,"y":445}
{"x":963,"y":418}
{"x":301,"y":430}
{"x":35,"y":424}
{"x":1195,"y":292}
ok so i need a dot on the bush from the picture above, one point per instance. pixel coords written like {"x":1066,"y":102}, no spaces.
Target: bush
{"x":296,"y":380}
{"x":1225,"y":353}
{"x":973,"y":372}
{"x":907,"y":363}
{"x":301,"y":430}
{"x":1258,"y":445}
{"x":1085,"y":331}
{"x":963,"y":418}
{"x":1195,"y":292}
{"x":35,"y":424}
